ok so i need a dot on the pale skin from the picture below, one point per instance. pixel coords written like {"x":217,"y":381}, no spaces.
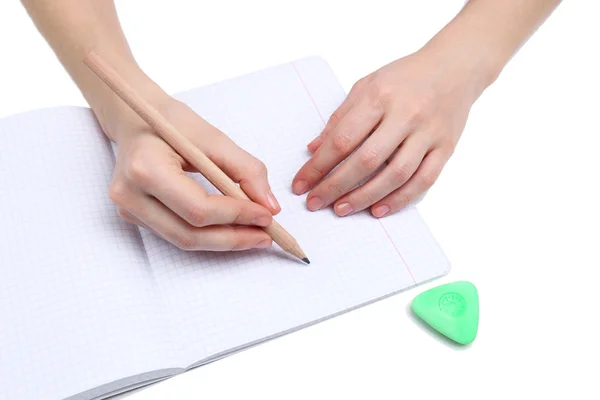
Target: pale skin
{"x":402,"y":124}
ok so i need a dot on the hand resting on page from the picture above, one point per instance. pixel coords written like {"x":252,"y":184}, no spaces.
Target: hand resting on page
{"x":408,"y":114}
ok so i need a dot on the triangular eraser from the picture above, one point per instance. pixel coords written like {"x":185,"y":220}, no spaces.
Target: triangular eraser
{"x":451,"y":309}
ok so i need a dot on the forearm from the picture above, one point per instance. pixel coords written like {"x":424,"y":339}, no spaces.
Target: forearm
{"x":72,"y":28}
{"x":485,"y":35}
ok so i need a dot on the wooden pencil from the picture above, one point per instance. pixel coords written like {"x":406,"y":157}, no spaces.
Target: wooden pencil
{"x":184,"y":146}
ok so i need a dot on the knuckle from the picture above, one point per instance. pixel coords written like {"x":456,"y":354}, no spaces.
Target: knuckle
{"x":364,"y":198}
{"x":197,"y":215}
{"x":400,"y":172}
{"x":359,"y":86}
{"x":370,"y":198}
{"x":402,"y":200}
{"x":384,"y":92}
{"x":418,"y":109}
{"x":335,"y":118}
{"x":379,"y":86}
{"x":370,"y":159}
{"x":257,"y":167}
{"x":415,"y":113}
{"x":359,"y":83}
{"x":239,"y":240}
{"x":428,"y":178}
{"x":444,"y":136}
{"x":317,"y":172}
{"x":334,"y":189}
{"x":377,"y":103}
{"x":341,"y":143}
{"x":118,"y":192}
{"x":137,"y":169}
{"x":183,"y":239}
{"x":242,"y":216}
{"x":449,"y":148}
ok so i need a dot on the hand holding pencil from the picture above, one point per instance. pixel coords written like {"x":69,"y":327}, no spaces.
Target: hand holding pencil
{"x":175,"y":207}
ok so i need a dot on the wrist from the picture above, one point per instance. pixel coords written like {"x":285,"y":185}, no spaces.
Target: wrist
{"x":115,"y":117}
{"x":475,"y":68}
{"x":466,"y":55}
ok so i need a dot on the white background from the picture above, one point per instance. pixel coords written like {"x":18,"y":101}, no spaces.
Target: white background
{"x":516,"y":209}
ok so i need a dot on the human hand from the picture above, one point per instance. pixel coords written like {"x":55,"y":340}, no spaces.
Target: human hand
{"x":408,"y":114}
{"x":151,"y":188}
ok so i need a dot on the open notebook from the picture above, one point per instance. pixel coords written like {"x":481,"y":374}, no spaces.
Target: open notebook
{"x":90,"y":306}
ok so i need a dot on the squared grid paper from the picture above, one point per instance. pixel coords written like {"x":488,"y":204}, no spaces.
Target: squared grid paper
{"x":224,"y":301}
{"x":76,"y":293}
{"x":91,"y":305}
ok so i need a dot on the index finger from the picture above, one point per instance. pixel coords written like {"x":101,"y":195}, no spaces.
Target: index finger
{"x":346,"y":136}
{"x":364,"y":162}
{"x":337,"y":115}
{"x":186,"y":198}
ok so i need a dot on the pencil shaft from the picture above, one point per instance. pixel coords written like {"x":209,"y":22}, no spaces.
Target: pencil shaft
{"x":183,"y":146}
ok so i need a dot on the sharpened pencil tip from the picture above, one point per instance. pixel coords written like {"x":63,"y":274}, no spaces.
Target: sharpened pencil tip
{"x":306,"y":260}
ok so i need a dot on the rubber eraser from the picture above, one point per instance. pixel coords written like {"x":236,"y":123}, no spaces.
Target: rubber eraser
{"x":451,"y":309}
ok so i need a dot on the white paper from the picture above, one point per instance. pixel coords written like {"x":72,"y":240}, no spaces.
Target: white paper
{"x":91,"y":305}
{"x":78,"y":305}
{"x":221,"y":301}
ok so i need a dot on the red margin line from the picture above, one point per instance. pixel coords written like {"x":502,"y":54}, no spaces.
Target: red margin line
{"x":325,"y":123}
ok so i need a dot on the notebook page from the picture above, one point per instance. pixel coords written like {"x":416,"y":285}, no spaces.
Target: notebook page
{"x":411,"y":237}
{"x":223,"y":301}
{"x":78,"y":304}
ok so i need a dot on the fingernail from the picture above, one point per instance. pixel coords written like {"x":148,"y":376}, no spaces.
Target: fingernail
{"x":315,"y":203}
{"x":380,"y":211}
{"x":344,"y":209}
{"x":263,"y":244}
{"x":300,"y":187}
{"x":272,"y":201}
{"x":261,"y":221}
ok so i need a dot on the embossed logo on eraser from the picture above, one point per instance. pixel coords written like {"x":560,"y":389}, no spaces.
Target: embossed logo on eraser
{"x":452,"y":304}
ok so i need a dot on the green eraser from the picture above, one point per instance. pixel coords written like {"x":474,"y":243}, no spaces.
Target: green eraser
{"x":451,"y":309}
